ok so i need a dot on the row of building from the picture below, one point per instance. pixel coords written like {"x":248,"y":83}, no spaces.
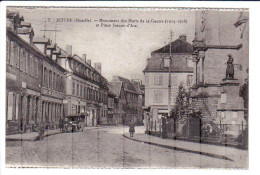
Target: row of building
{"x":201,"y":68}
{"x":45,"y":83}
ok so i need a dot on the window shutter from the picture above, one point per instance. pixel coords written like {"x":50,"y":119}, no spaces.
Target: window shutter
{"x":10,"y":106}
{"x":27,"y":63}
{"x":7,"y":50}
{"x":12,"y":54}
{"x":16,"y":61}
{"x":160,"y":97}
{"x":19,"y":60}
{"x":17,"y":106}
{"x":160,"y":80}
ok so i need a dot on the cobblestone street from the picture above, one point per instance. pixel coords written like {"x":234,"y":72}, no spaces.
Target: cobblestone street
{"x":103,"y":147}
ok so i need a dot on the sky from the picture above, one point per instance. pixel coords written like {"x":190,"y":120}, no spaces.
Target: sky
{"x":123,"y":51}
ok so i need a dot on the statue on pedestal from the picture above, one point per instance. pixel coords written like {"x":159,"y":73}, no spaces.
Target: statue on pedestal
{"x":230,"y":68}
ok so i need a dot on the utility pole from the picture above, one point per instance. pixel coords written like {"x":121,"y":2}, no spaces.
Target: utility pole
{"x":169,"y":86}
{"x":50,"y":30}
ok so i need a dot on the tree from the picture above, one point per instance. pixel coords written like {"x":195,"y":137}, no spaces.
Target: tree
{"x":181,"y":107}
{"x":182,"y":103}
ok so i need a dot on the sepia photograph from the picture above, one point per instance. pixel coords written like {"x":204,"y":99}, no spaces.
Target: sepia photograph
{"x":93,"y":87}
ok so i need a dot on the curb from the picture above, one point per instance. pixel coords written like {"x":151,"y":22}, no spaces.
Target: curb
{"x":181,"y":149}
{"x":36,"y":137}
{"x":31,"y":139}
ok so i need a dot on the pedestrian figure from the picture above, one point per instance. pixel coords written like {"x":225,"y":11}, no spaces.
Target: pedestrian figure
{"x":61,"y":124}
{"x":132,"y":129}
{"x":164,"y":125}
{"x":41,"y":131}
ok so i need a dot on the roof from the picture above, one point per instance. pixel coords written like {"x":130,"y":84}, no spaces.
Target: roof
{"x":177,"y":46}
{"x":79,"y":59}
{"x":137,"y":87}
{"x":32,"y":46}
{"x":41,"y":40}
{"x":56,"y":51}
{"x":51,"y":46}
{"x":127,"y":84}
{"x":63,"y":52}
{"x":116,"y":87}
{"x":10,"y":14}
{"x":110,"y":89}
{"x":24,"y":30}
{"x":177,"y":65}
{"x":25,"y":24}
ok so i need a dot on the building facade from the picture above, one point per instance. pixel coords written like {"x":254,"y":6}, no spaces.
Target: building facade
{"x":126,"y":101}
{"x":52,"y":84}
{"x":86,"y":88}
{"x":111,"y":105}
{"x":220,"y":36}
{"x":140,"y":88}
{"x":157,"y":77}
{"x":24,"y":77}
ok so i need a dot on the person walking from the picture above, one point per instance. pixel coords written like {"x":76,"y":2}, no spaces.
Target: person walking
{"x":41,"y":131}
{"x":61,"y":124}
{"x":132,"y":128}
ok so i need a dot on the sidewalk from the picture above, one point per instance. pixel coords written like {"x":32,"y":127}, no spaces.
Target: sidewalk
{"x":220,"y":152}
{"x":32,"y":136}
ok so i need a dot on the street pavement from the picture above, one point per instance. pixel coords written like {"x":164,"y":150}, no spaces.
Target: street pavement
{"x":104,"y":147}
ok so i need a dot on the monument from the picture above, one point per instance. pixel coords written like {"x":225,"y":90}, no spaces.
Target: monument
{"x":230,"y":106}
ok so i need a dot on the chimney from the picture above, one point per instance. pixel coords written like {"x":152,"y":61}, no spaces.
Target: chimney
{"x":84,"y":57}
{"x":41,"y":44}
{"x":183,"y":37}
{"x":98,"y":67}
{"x":89,"y":62}
{"x":69,"y":49}
{"x":50,"y":48}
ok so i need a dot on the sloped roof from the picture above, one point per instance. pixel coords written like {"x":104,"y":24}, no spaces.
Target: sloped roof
{"x":25,"y":24}
{"x":137,"y":87}
{"x":79,"y":59}
{"x":110,"y":89}
{"x":51,"y":46}
{"x":24,"y":30}
{"x":127,"y":84}
{"x":177,"y":46}
{"x":41,"y":40}
{"x":63,"y":52}
{"x":177,"y":65}
{"x":116,"y":87}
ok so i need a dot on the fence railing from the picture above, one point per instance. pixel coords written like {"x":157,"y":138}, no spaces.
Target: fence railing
{"x":198,"y":130}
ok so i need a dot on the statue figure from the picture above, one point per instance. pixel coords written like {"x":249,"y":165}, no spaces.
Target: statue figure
{"x":230,"y":68}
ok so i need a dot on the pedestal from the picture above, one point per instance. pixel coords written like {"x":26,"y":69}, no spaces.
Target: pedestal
{"x":230,"y":108}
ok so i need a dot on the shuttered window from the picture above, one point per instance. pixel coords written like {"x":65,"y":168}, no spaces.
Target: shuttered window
{"x":158,"y":80}
{"x":36,"y":66}
{"x":12,"y":109}
{"x":12,"y":58}
{"x":174,"y":80}
{"x":19,"y":60}
{"x":73,"y":87}
{"x":189,"y":80}
{"x":7,"y":50}
{"x":158,"y":96}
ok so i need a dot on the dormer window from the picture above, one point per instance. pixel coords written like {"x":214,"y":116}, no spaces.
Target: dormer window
{"x":189,"y":62}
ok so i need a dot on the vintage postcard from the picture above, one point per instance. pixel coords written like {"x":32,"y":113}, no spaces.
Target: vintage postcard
{"x":126,"y":87}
